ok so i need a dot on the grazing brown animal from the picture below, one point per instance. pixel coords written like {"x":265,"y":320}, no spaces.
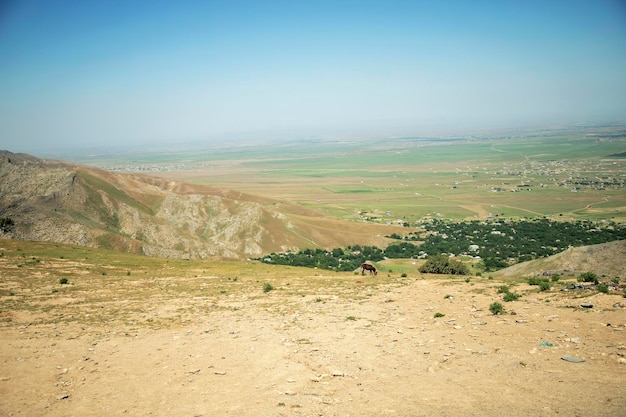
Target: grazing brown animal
{"x":368,"y":267}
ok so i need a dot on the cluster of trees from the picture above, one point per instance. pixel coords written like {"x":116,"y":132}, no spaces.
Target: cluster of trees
{"x":498,"y":243}
{"x":338,"y":259}
{"x":501,"y":242}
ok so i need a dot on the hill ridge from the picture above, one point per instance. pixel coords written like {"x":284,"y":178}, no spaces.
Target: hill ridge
{"x":604,"y":259}
{"x":69,"y":203}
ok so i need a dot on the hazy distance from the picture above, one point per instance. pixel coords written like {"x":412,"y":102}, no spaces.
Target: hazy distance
{"x":92,"y":74}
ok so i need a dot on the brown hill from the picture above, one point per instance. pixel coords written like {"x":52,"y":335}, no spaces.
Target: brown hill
{"x":62,"y":202}
{"x":606,"y":259}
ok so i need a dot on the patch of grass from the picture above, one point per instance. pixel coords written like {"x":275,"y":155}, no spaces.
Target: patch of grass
{"x":267,"y":287}
{"x":438,"y":315}
{"x":603,"y":288}
{"x":63,"y":281}
{"x":351,"y":318}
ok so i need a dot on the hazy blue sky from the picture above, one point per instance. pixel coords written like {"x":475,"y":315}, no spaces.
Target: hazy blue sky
{"x":89,"y":73}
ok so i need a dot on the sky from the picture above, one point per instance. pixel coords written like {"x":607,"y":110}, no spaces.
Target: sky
{"x":81,"y":74}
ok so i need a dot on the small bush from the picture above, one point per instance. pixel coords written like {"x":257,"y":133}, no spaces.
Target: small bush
{"x":545,"y":285}
{"x":603,"y":288}
{"x":437,"y":315}
{"x":267,"y":287}
{"x":555,"y":278}
{"x":511,"y":296}
{"x":503,"y":289}
{"x":351,"y":318}
{"x":536,"y":280}
{"x":588,"y":277}
{"x":403,"y":275}
{"x":441,"y":264}
{"x":63,"y":281}
{"x":496,"y":308}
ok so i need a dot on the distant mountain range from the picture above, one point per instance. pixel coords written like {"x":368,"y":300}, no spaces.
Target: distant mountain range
{"x":67,"y":203}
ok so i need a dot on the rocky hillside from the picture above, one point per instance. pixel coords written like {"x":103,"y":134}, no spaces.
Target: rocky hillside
{"x":60,"y":202}
{"x":605,"y":260}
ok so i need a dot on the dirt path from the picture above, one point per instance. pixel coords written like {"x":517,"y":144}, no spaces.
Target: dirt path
{"x":289,"y":355}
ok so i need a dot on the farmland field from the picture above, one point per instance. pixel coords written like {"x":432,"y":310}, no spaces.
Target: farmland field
{"x":568,"y":175}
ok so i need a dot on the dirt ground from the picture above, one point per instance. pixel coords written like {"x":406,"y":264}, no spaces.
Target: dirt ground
{"x":282,"y":354}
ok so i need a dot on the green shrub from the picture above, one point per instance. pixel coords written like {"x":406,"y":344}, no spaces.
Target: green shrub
{"x":496,"y":308}
{"x":536,"y":280}
{"x":555,"y":278}
{"x":441,"y":264}
{"x":437,"y":315}
{"x":351,"y":318}
{"x":503,"y":289}
{"x":588,"y":277}
{"x":403,"y":275}
{"x":603,"y":288}
{"x":511,"y":296}
{"x":545,"y":285}
{"x":267,"y":287}
{"x":63,"y":281}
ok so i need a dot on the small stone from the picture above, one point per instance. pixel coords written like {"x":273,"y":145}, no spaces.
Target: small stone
{"x":63,"y":397}
{"x":338,"y":373}
{"x":572,"y":359}
{"x":621,"y":361}
{"x":586,"y":305}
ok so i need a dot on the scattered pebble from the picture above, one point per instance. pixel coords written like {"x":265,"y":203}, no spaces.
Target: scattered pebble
{"x":572,"y":359}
